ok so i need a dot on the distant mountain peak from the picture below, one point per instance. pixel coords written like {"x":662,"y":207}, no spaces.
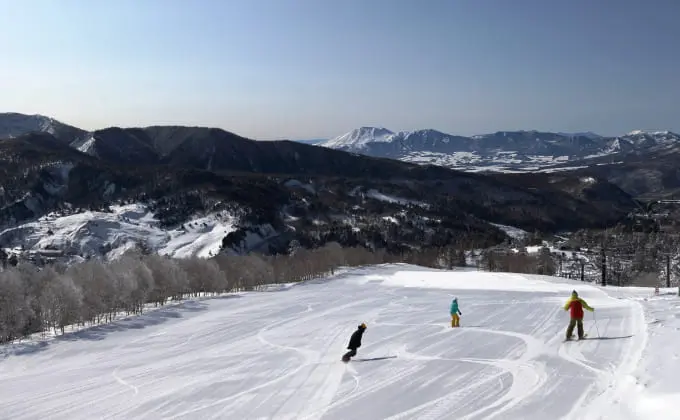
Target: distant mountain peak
{"x":14,"y":124}
{"x":589,"y":134}
{"x":649,"y":132}
{"x":358,"y":137}
{"x":373,"y":131}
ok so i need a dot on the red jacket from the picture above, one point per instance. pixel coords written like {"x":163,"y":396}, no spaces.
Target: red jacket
{"x":575,"y":305}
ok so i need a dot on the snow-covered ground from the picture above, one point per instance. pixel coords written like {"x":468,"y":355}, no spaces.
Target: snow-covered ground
{"x":111,"y":233}
{"x":511,"y":231}
{"x":495,"y":162}
{"x":276,"y":355}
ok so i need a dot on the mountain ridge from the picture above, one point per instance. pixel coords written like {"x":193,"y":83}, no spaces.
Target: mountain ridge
{"x":526,"y":150}
{"x":363,"y":136}
{"x":298,"y":192}
{"x":373,"y":141}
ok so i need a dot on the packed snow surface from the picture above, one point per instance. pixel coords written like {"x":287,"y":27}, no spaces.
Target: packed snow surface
{"x":277,"y":355}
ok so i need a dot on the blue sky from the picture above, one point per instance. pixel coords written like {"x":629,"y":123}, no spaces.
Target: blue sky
{"x":318,"y":68}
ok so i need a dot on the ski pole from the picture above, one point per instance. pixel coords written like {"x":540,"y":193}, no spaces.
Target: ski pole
{"x":596,"y":328}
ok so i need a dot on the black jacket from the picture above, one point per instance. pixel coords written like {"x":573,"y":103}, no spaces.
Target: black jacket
{"x":355,"y":339}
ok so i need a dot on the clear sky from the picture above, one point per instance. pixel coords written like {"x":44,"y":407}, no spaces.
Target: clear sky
{"x":317,"y":68}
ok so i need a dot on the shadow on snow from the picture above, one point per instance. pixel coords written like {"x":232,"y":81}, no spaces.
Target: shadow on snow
{"x":375,"y":358}
{"x":99,"y":332}
{"x":608,"y":338}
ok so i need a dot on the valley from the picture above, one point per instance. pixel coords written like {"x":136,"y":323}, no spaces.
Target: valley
{"x":274,"y":193}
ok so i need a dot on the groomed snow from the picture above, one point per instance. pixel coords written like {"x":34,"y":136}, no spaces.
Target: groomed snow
{"x":276,"y":355}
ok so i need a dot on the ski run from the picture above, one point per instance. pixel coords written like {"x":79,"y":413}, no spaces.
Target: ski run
{"x":276,"y":354}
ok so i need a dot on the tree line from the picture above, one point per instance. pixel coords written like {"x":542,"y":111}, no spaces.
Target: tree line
{"x":620,"y":256}
{"x":503,"y":259}
{"x":41,"y":299}
{"x":625,"y":257}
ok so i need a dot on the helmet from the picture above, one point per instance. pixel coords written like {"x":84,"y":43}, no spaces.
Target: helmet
{"x":362,"y":326}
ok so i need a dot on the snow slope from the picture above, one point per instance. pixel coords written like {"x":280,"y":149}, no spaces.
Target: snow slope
{"x":359,"y":137}
{"x":276,"y":355}
{"x":111,"y":233}
{"x":503,"y":151}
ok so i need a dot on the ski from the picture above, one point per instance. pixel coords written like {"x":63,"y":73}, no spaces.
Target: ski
{"x":585,"y":337}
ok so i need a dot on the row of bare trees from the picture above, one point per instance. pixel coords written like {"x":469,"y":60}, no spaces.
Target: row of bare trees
{"x":623,"y":257}
{"x":34,"y":300}
{"x":50,"y":298}
{"x":511,"y":261}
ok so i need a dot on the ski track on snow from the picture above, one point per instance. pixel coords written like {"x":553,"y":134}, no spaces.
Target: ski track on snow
{"x":276,"y":355}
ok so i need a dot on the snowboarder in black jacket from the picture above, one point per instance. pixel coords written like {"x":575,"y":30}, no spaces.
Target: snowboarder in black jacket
{"x":354,"y":343}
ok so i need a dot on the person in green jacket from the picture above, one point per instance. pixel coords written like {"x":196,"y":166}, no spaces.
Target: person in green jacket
{"x":455,"y":319}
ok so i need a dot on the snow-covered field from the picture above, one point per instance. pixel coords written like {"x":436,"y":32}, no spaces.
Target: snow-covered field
{"x":276,"y":355}
{"x":496,"y":162}
{"x":111,"y":233}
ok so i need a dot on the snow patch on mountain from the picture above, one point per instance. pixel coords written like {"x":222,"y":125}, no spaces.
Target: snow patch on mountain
{"x":377,"y":195}
{"x":294,"y":183}
{"x":14,"y":125}
{"x":649,"y":132}
{"x":387,"y":198}
{"x":86,"y":145}
{"x":359,"y":137}
{"x":506,"y":151}
{"x":109,"y":234}
{"x":511,"y":231}
{"x":588,"y":180}
{"x":641,"y":139}
{"x":474,"y":162}
{"x":588,"y":134}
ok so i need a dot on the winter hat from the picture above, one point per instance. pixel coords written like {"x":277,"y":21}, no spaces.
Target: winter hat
{"x":574,"y":294}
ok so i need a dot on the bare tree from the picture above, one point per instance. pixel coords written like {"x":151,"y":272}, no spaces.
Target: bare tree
{"x":331,"y":256}
{"x":61,"y":302}
{"x":255,"y":272}
{"x":204,"y":276}
{"x":170,"y":281}
{"x":545,"y":264}
{"x":14,"y":309}
{"x":98,"y":288}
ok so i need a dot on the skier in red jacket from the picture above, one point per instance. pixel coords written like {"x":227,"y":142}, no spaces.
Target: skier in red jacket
{"x":575,"y":306}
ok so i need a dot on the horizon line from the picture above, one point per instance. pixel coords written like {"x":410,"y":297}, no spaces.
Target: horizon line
{"x":323,"y":138}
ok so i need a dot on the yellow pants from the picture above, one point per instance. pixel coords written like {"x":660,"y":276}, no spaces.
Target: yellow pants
{"x":455,"y":321}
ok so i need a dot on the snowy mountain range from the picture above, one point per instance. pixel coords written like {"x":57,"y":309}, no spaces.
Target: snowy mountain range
{"x":500,"y":151}
{"x":50,"y":171}
{"x":214,"y":149}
